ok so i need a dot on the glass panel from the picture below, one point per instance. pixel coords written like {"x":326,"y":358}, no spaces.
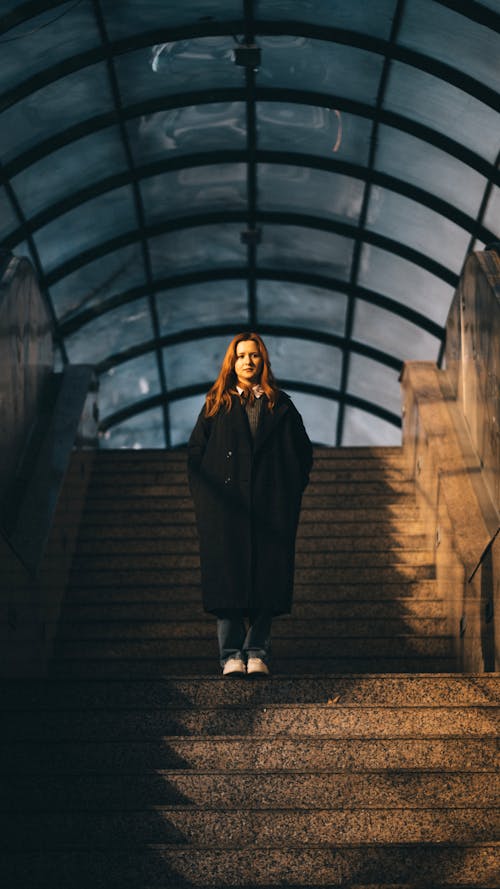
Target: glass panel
{"x":300,"y":63}
{"x":183,"y":416}
{"x":304,"y":361}
{"x":211,"y":127}
{"x":386,"y":331}
{"x":127,"y":383}
{"x":8,"y":219}
{"x":301,"y":305}
{"x":53,"y":108}
{"x":145,"y":430}
{"x":186,"y":65}
{"x":91,"y":223}
{"x":421,"y":164}
{"x":313,"y":130}
{"x":200,"y":189}
{"x":445,"y":108}
{"x":319,"y":416}
{"x":112,"y":332}
{"x":196,"y":362}
{"x":57,"y":34}
{"x":63,"y":172}
{"x":97,"y":281}
{"x":23,"y":249}
{"x":373,"y":18}
{"x":418,"y":227}
{"x":362,"y":429}
{"x":199,"y":361}
{"x":200,"y":305}
{"x":374,"y":382}
{"x":405,"y":282}
{"x":135,"y":17}
{"x":452,"y":38}
{"x":304,"y":190}
{"x":492,"y":216}
{"x":203,"y":247}
{"x":293,"y":247}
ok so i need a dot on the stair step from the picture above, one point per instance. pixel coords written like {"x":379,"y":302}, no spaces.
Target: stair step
{"x":304,"y":721}
{"x":388,"y":646}
{"x":234,"y":752}
{"x":322,"y":470}
{"x":125,"y":488}
{"x":382,"y":455}
{"x":181,"y":610}
{"x":348,"y":536}
{"x":392,"y":866}
{"x":265,"y":789}
{"x":117,"y":499}
{"x":282,"y":629}
{"x":389,"y":515}
{"x":187,"y":556}
{"x":367,"y":690}
{"x":167,"y":588}
{"x":377,"y":548}
{"x":208,"y":826}
{"x":207,"y":666}
{"x":335,"y":575}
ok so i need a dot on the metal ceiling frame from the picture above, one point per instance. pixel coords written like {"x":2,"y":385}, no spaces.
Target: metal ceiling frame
{"x":253,"y":217}
{"x":331,"y":394}
{"x":72,"y":322}
{"x":263,"y":28}
{"x":239,"y":156}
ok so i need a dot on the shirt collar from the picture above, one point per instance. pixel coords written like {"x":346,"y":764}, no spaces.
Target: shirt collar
{"x":257,"y":390}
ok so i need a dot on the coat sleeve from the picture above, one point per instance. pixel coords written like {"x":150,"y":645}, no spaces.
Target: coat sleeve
{"x":302,"y":444}
{"x":196,"y":448}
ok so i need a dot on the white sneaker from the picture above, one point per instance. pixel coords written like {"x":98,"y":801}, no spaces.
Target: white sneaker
{"x":234,"y":667}
{"x":255,"y":667}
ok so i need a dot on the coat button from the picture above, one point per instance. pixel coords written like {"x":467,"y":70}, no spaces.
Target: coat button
{"x":229,"y":455}
{"x":227,"y":480}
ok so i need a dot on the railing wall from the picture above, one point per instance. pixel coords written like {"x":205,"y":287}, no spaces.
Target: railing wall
{"x":452,"y":444}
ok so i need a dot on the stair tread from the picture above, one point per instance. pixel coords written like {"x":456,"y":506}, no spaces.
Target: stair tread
{"x":467,"y":864}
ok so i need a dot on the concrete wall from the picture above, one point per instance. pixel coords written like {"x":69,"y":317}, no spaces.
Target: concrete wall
{"x":43,"y":476}
{"x":26,"y":361}
{"x":451,"y":441}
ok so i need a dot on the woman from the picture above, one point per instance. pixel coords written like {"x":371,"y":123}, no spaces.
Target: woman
{"x":249,"y":459}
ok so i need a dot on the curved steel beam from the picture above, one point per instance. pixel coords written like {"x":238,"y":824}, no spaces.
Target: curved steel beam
{"x":25,"y":11}
{"x":140,"y":407}
{"x":476,"y":12}
{"x":293,"y":219}
{"x":263,"y":94}
{"x":75,"y":322}
{"x":138,"y":203}
{"x":471,"y":9}
{"x":196,"y":334}
{"x":289,"y":158}
{"x":354,"y":39}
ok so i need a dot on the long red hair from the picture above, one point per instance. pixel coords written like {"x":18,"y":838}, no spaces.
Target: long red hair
{"x":220,"y":395}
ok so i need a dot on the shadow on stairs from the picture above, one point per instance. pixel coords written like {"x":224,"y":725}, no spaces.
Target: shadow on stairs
{"x":365,"y":761}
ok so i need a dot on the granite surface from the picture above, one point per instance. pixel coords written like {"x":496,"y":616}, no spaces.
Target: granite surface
{"x":84,"y":756}
{"x":305,"y":720}
{"x":383,"y":691}
{"x":414,"y":866}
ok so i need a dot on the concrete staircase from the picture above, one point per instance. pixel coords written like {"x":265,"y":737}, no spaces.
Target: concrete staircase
{"x":364,"y":762}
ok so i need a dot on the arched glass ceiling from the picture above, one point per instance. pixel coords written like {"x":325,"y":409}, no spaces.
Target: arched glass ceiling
{"x":314,"y":169}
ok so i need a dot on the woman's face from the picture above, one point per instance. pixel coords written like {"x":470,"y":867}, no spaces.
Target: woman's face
{"x":248,"y":364}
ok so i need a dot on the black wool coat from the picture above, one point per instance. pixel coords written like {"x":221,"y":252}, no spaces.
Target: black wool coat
{"x":247,"y":496}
